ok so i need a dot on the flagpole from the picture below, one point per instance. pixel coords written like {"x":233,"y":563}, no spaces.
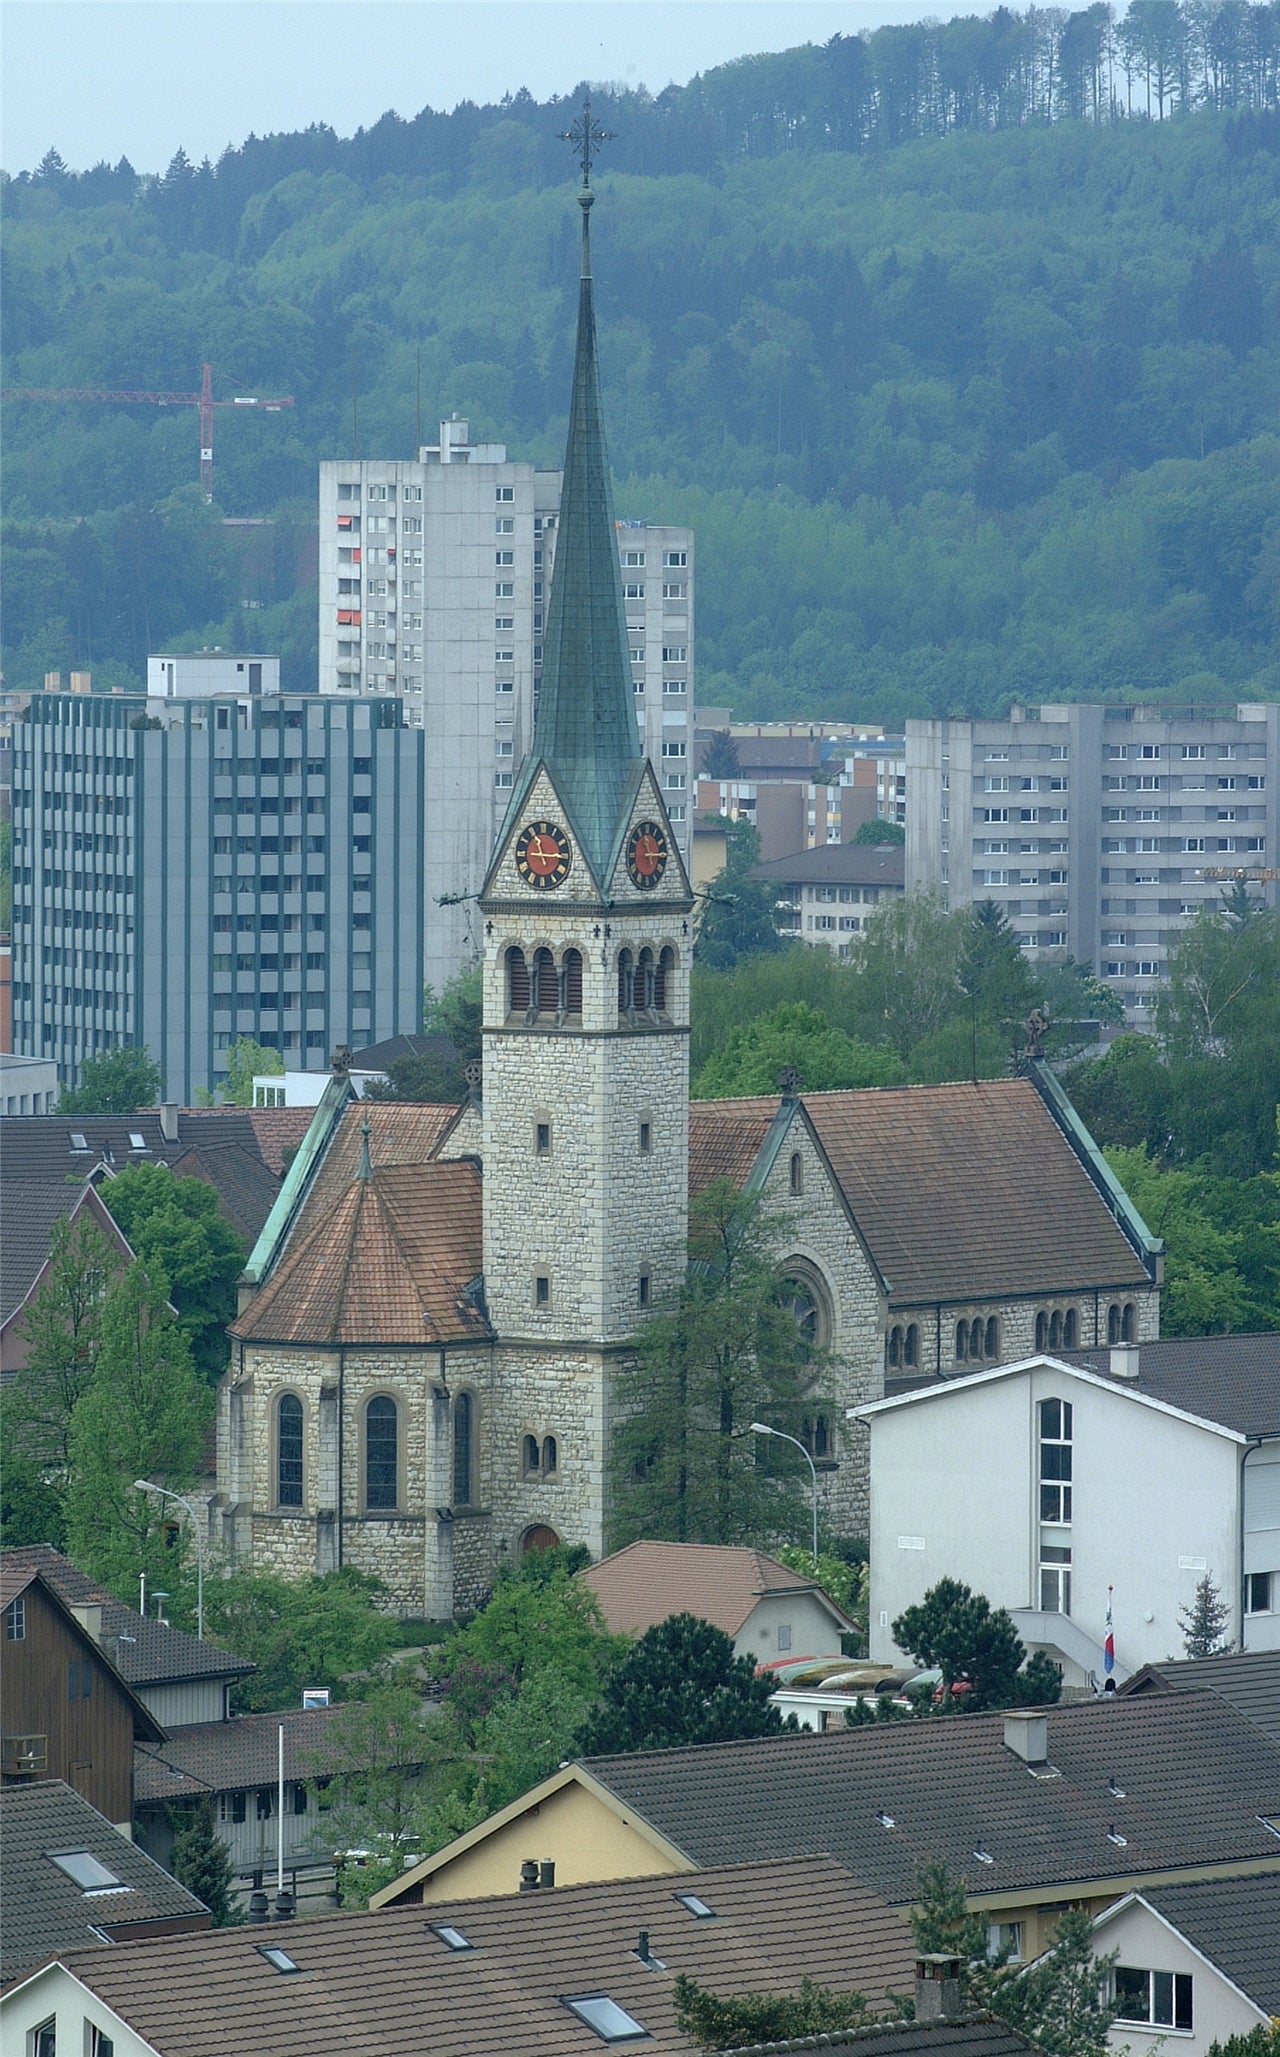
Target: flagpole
{"x":1109,"y":1649}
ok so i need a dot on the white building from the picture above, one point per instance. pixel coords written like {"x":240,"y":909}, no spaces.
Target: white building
{"x":1045,"y":1483}
{"x":196,"y":674}
{"x":434,"y":576}
{"x":1196,"y":1962}
{"x":1097,"y":831}
{"x":28,"y":1085}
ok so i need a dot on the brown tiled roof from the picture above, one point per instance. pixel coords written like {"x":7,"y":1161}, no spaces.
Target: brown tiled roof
{"x":145,"y":1652}
{"x":1235,"y":1923}
{"x":1234,"y":1380}
{"x":725,"y":1139}
{"x":387,"y":1981}
{"x":216,"y":1756}
{"x":245,"y":1186}
{"x":646,"y":1582}
{"x":273,"y":1129}
{"x":400,"y":1132}
{"x":1249,"y":1680}
{"x":391,"y":1262}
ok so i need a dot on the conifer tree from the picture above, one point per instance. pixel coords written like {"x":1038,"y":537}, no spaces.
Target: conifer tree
{"x":201,"y":1861}
{"x":1203,"y":1622}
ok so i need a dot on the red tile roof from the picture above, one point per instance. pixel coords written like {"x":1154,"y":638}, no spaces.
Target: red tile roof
{"x":725,"y":1139}
{"x":400,"y":1132}
{"x":646,"y":1582}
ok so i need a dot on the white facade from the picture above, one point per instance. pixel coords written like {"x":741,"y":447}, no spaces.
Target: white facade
{"x":28,"y":1085}
{"x":1146,"y":1942}
{"x":1098,"y":831}
{"x":73,"y":2018}
{"x":434,"y":577}
{"x":197,"y":674}
{"x":1155,"y":1503}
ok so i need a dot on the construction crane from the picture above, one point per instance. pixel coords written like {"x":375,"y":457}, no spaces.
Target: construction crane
{"x":204,"y":400}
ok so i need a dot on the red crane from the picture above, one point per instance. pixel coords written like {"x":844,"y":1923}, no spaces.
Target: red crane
{"x":204,"y":400}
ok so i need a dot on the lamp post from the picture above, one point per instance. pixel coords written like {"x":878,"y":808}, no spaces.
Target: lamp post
{"x":146,"y":1485}
{"x":760,"y":1428}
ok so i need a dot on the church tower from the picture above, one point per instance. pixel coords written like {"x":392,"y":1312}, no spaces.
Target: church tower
{"x":588,"y":934}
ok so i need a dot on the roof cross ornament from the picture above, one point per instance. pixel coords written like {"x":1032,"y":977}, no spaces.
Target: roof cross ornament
{"x":587,"y":137}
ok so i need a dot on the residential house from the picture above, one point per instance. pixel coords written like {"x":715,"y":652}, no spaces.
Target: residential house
{"x":1196,"y":1963}
{"x":1249,"y":1680}
{"x":73,"y":1882}
{"x":1077,"y":1804}
{"x":1113,"y":1478}
{"x":768,"y":1611}
{"x":549,"y":1973}
{"x":827,"y":895}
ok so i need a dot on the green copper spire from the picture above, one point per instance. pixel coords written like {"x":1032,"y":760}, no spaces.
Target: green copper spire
{"x":586,"y":726}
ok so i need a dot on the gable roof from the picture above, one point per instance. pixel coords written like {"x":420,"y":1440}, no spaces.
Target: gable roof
{"x":387,"y":1981}
{"x":838,"y":864}
{"x":145,"y":1652}
{"x":246,"y":1187}
{"x":1198,"y":1783}
{"x":392,"y":1263}
{"x":46,"y":1913}
{"x":1234,"y":1922}
{"x":644,"y":1583}
{"x":400,"y":1132}
{"x":219,"y":1756}
{"x":31,"y":1205}
{"x":1234,"y":1380}
{"x":1248,"y":1680}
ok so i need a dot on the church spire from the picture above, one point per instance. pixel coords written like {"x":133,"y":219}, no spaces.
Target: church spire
{"x":586,"y":726}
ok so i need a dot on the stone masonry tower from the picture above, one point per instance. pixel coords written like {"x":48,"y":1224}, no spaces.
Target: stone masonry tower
{"x":588,"y":935}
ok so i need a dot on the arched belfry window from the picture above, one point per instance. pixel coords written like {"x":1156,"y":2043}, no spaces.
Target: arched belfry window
{"x":546,"y":983}
{"x":517,"y":982}
{"x":644,"y":1000}
{"x":289,"y":1451}
{"x":662,"y":979}
{"x":626,"y":981}
{"x":571,"y":982}
{"x":381,"y":1453}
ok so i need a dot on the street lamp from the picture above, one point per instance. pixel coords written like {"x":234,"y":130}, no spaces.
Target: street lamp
{"x":760,"y":1428}
{"x":145,"y":1485}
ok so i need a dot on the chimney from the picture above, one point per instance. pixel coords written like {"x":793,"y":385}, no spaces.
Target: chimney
{"x":546,"y":1875}
{"x":169,"y":1120}
{"x":82,"y":681}
{"x":89,"y":1615}
{"x":1124,"y":1361}
{"x":642,"y":1946}
{"x":529,"y":1875}
{"x":1027,"y":1735}
{"x":939,"y":1988}
{"x":258,"y":1906}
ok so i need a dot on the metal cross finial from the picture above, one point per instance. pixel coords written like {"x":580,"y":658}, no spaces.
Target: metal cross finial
{"x":586,"y":136}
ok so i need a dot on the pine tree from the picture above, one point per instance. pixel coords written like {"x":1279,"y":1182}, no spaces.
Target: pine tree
{"x":680,"y":1684}
{"x":201,"y":1861}
{"x":1204,"y":1620}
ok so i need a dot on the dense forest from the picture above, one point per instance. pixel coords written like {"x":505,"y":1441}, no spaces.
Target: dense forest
{"x":959,"y":344}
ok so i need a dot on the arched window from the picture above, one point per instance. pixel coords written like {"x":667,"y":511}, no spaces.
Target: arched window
{"x":546,"y":983}
{"x":626,"y":981}
{"x":1113,"y":1323}
{"x":381,"y":1453}
{"x":991,"y":1341}
{"x":1070,"y":1329}
{"x":911,"y":1345}
{"x":550,"y":1457}
{"x":801,"y":1296}
{"x":1042,"y":1330}
{"x":797,"y":1172}
{"x":289,"y":1451}
{"x":643,"y":1000}
{"x":975,"y":1336}
{"x":895,"y":1347}
{"x":815,"y":1434}
{"x":571,"y":982}
{"x":517,"y":982}
{"x":463,"y":1450}
{"x":962,"y":1341}
{"x":1129,"y":1323}
{"x":662,"y":979}
{"x":529,"y":1456}
{"x":1055,"y":1330}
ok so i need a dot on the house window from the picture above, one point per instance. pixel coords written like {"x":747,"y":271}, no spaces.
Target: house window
{"x":662,"y":972}
{"x":962,"y":1341}
{"x":289,"y":1451}
{"x":626,"y":981}
{"x":464,"y":1450}
{"x":542,"y":1138}
{"x":643,"y":1288}
{"x":44,"y":2040}
{"x":381,"y":1452}
{"x":797,"y":1172}
{"x":646,"y":1138}
{"x":911,"y":1345}
{"x":1162,"y":1999}
{"x":991,"y":1339}
{"x":1257,"y":1592}
{"x":815,"y":1434}
{"x":15,"y":1621}
{"x":1129,"y":1323}
{"x":1055,"y":1461}
{"x":1004,"y":1942}
{"x":784,"y":1637}
{"x":542,"y":1290}
{"x":1055,"y":1579}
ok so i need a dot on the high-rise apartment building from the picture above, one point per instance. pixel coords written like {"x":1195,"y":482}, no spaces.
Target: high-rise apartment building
{"x":1098,"y":831}
{"x":434,"y":576}
{"x":187,"y":872}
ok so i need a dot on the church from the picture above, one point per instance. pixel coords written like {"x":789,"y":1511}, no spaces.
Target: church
{"x":422,"y":1379}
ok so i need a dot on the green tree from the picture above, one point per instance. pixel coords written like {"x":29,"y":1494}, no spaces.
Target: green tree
{"x":376,"y":1777}
{"x":324,"y":1630}
{"x":1263,"y":2041}
{"x":116,"y":1082}
{"x":738,"y":910}
{"x":753,"y":1057}
{"x":1204,"y":1289}
{"x":1203,"y":1622}
{"x":458,"y":1011}
{"x":32,"y":1504}
{"x":880,"y":835}
{"x":994,"y":975}
{"x":245,"y":1060}
{"x":845,"y":1582}
{"x":62,"y":1329}
{"x":431,"y":1077}
{"x":732,"y":1351}
{"x":174,"y":1224}
{"x":536,"y":1617}
{"x":747,"y":2020}
{"x":680,"y":1684}
{"x":907,"y":964}
{"x":977,"y":1650}
{"x":143,"y":1417}
{"x":201,"y":1861}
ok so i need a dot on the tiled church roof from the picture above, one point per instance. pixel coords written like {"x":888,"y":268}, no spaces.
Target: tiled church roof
{"x":399,"y":1133}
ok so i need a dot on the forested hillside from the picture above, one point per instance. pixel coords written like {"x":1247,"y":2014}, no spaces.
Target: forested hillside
{"x":959,"y":345}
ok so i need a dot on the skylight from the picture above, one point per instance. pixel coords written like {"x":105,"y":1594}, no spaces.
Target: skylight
{"x":79,"y":1142}
{"x":611,"y":2023}
{"x":697,"y":1907}
{"x":136,"y":1142}
{"x":451,"y":1937}
{"x":84,"y":1870}
{"x":279,"y":1960}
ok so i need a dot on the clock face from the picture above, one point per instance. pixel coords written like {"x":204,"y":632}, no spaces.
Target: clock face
{"x":646,"y":855}
{"x":543,"y":855}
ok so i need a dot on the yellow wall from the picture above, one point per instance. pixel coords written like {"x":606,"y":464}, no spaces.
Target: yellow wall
{"x":583,"y":1838}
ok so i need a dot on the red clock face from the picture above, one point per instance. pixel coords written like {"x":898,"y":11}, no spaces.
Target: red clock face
{"x":646,"y":855}
{"x":543,"y":855}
